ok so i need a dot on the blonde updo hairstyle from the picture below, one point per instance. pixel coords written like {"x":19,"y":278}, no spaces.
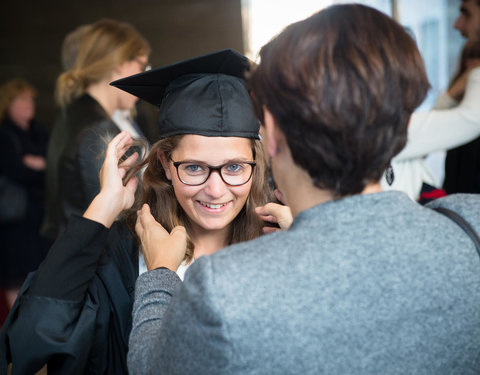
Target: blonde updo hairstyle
{"x":105,"y":45}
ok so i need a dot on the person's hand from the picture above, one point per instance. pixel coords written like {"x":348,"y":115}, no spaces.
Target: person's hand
{"x":472,"y":63}
{"x":35,"y":162}
{"x":160,"y":248}
{"x":457,"y":88}
{"x":114,"y":196}
{"x":275,"y":213}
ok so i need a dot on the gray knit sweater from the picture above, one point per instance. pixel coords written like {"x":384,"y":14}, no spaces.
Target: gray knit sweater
{"x":370,"y":284}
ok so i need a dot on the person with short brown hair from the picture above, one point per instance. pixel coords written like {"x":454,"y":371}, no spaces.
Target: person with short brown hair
{"x":363,"y":281}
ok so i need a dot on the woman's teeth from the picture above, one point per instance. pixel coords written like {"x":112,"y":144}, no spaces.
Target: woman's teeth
{"x":214,"y":206}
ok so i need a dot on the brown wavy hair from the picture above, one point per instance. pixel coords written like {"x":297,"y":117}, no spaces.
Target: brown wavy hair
{"x":104,"y":45}
{"x":157,"y":191}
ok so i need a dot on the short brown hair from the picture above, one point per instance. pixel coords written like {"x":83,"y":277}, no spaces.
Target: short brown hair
{"x":9,"y":91}
{"x":341,"y":85}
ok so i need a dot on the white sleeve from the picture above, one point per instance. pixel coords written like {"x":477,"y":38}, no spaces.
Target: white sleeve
{"x":445,"y":101}
{"x":445,"y":129}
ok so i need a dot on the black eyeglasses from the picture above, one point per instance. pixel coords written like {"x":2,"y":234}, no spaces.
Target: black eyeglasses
{"x":233,"y":173}
{"x":143,"y":65}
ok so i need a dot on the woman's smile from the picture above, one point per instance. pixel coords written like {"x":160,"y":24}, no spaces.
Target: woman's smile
{"x":214,"y":207}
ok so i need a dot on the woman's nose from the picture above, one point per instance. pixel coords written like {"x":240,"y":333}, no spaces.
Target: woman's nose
{"x":214,"y":186}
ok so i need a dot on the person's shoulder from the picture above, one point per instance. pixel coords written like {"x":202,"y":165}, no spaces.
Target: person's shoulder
{"x":465,"y":205}
{"x":260,"y":245}
{"x":120,"y":233}
{"x":244,"y":258}
{"x":122,"y":250}
{"x":85,"y":112}
{"x":461,"y":202}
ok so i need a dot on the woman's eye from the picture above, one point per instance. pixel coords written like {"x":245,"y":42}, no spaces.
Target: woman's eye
{"x":234,"y":168}
{"x":194,"y":168}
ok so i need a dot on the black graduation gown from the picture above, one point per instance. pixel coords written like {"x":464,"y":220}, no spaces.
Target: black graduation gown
{"x":74,"y":313}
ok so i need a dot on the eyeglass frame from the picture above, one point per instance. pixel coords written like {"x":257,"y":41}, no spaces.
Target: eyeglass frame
{"x":145,"y":65}
{"x":212,"y":168}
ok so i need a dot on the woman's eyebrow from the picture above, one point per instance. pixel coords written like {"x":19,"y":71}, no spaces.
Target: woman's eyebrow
{"x":232,"y":160}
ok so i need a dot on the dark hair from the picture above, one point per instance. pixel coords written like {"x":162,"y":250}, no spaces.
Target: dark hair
{"x":341,"y":85}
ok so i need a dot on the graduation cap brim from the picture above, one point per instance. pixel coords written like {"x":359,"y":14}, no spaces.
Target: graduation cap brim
{"x":151,"y":85}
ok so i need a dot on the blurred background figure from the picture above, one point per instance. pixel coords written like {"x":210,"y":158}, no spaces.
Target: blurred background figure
{"x":462,"y":164}
{"x":468,"y":21}
{"x":124,"y":118}
{"x":70,"y":46}
{"x":23,"y":146}
{"x":93,"y":56}
{"x":454,"y":121}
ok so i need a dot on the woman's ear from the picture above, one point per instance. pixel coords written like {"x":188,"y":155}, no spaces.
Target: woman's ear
{"x":165,"y":164}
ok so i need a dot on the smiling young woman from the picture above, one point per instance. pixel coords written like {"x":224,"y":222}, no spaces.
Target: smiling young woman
{"x":214,"y":213}
{"x":84,"y":290}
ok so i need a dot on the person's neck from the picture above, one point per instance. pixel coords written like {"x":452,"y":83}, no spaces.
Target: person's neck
{"x":209,"y":241}
{"x":301,"y":193}
{"x":103,"y":94}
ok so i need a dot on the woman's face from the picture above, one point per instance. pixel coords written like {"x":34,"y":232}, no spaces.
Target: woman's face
{"x":128,"y":68}
{"x":214,"y":204}
{"x":22,"y":108}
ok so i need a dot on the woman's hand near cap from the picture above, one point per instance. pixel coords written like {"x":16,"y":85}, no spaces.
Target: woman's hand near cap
{"x":160,"y":248}
{"x":114,"y":196}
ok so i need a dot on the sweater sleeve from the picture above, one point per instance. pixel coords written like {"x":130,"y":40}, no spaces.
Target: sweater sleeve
{"x":445,"y":129}
{"x":170,"y":319}
{"x":71,"y":262}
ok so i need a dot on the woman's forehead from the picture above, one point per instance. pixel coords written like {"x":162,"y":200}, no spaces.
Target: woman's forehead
{"x":212,"y":149}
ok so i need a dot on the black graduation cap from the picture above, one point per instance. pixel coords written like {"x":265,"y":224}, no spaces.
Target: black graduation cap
{"x":205,"y":95}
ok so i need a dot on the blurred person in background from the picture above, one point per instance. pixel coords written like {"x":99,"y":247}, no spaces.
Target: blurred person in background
{"x":453,"y":122}
{"x":124,"y":118}
{"x":462,"y":164}
{"x":106,"y":50}
{"x":468,"y":22}
{"x":23,"y":146}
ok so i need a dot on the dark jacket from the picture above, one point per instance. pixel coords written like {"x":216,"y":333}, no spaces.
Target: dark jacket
{"x":462,"y":169}
{"x":78,"y":141}
{"x":22,"y":248}
{"x":74,"y":313}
